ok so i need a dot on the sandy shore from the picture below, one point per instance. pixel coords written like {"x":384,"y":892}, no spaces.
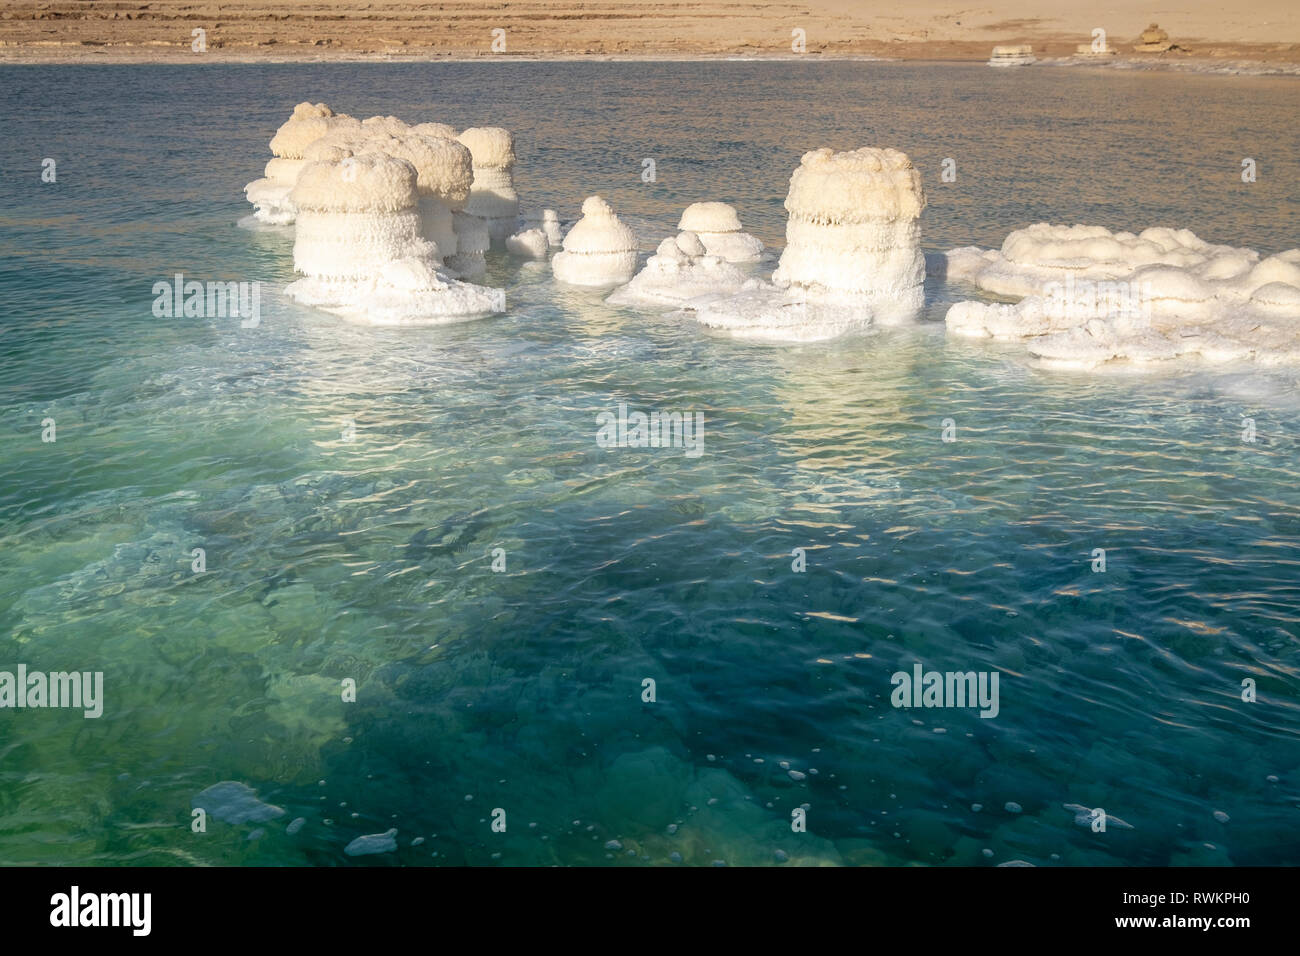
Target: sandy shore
{"x":1267,"y":34}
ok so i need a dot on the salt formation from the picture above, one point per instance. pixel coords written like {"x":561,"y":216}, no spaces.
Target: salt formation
{"x":360,"y":248}
{"x":852,"y":252}
{"x":270,"y":195}
{"x":718,"y":227}
{"x":472,"y":243}
{"x":854,"y":229}
{"x":1154,"y":40}
{"x":529,"y":244}
{"x":493,"y":197}
{"x":1089,"y":51}
{"x":1090,"y":296}
{"x":1022,"y":55}
{"x":599,"y":250}
{"x":680,"y":272}
{"x":443,"y":168}
{"x":540,"y":234}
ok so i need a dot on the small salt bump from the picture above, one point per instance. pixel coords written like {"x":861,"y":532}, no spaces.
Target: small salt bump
{"x":613,"y":845}
{"x":1012,"y":807}
{"x":1220,"y":816}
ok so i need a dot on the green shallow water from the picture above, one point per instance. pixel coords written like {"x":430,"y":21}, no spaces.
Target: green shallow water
{"x":370,"y":560}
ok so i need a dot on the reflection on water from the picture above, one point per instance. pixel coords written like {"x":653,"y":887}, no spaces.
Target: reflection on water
{"x":366,"y":554}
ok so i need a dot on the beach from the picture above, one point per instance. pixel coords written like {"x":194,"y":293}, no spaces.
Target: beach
{"x":1264,"y":37}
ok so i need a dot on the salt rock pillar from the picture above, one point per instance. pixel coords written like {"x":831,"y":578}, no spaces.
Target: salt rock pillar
{"x":270,"y":195}
{"x":599,"y":250}
{"x":354,"y":217}
{"x":492,"y":197}
{"x":853,"y":233}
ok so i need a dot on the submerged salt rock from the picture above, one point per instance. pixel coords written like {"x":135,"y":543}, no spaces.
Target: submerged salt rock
{"x":360,"y":247}
{"x":233,"y":802}
{"x":599,"y":250}
{"x":680,"y":272}
{"x":270,"y":194}
{"x":493,"y":196}
{"x":718,"y":226}
{"x":372,"y":843}
{"x":1089,"y":296}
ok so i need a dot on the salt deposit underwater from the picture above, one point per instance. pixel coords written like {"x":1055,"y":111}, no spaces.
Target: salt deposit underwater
{"x":369,"y":557}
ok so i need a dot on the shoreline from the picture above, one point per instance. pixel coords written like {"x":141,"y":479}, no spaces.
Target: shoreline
{"x":81,"y":56}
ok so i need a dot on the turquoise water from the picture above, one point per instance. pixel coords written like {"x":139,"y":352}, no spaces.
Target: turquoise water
{"x":370,"y":559}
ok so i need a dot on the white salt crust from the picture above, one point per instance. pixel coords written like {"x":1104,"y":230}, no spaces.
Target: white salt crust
{"x":680,"y":272}
{"x":1089,"y":296}
{"x":718,"y":226}
{"x":493,"y":196}
{"x":599,"y":250}
{"x":360,"y":247}
{"x":270,"y":195}
{"x":852,"y":254}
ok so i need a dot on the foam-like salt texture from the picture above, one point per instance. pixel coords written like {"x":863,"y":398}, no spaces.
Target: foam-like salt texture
{"x":1089,"y":296}
{"x":443,"y":166}
{"x":493,"y":196}
{"x":599,"y":250}
{"x":852,"y":255}
{"x":360,"y":247}
{"x":681,"y":272}
{"x":270,"y":194}
{"x":718,"y":226}
{"x":528,"y":244}
{"x":525,"y":243}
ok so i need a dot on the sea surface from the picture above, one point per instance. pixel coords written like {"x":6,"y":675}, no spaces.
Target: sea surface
{"x":349,"y":486}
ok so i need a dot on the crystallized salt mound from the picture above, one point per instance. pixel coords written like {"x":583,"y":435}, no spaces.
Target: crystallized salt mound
{"x":270,"y":195}
{"x":540,"y":234}
{"x":599,"y":250}
{"x":523,"y":243}
{"x":854,"y":229}
{"x":385,"y":124}
{"x":360,"y":247}
{"x":680,"y":272}
{"x":444,"y":171}
{"x":1022,"y":55}
{"x":852,"y":255}
{"x":718,"y":227}
{"x":440,"y":130}
{"x":1090,"y":297}
{"x":528,"y":244}
{"x":493,"y":196}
